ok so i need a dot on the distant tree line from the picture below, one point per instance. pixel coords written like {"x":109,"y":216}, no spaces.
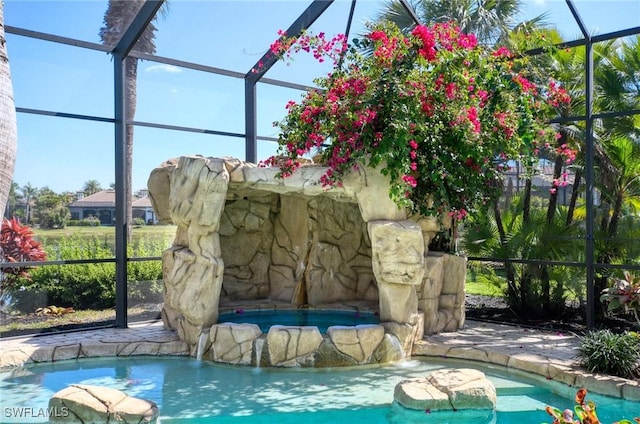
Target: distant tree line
{"x":43,"y":206}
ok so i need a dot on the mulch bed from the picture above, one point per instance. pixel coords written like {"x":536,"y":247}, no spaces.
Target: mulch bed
{"x":495,"y":309}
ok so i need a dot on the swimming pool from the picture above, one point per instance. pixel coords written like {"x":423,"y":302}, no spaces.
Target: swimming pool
{"x":188,"y":391}
{"x":321,"y":318}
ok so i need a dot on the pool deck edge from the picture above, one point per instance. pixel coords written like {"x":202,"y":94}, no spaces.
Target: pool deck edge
{"x":548,"y":354}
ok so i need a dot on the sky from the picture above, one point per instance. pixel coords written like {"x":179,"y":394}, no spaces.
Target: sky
{"x":63,"y":153}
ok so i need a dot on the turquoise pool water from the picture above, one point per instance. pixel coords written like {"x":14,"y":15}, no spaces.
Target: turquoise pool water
{"x":299,"y":317}
{"x":189,"y":392}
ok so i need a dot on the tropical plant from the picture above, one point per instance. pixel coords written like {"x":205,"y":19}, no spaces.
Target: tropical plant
{"x":117,"y":18}
{"x":16,"y":245}
{"x":29,"y":193}
{"x":12,"y":201}
{"x":51,"y":210}
{"x":624,"y":295}
{"x":605,"y":352}
{"x":91,"y":187}
{"x":617,"y":88}
{"x":8,"y":125}
{"x":532,"y":290}
{"x":441,"y":116}
{"x":489,"y":20}
{"x":623,"y":178}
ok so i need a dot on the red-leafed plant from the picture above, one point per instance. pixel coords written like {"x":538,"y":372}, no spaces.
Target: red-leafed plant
{"x":17,"y":245}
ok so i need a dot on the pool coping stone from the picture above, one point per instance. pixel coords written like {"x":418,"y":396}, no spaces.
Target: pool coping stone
{"x":545,"y":353}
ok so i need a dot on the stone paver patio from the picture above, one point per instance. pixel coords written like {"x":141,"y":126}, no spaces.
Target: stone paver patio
{"x":549,"y":354}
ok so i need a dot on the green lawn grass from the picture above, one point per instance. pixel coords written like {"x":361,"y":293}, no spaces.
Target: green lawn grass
{"x":166,"y":233}
{"x":483,"y":288}
{"x":479,"y":282}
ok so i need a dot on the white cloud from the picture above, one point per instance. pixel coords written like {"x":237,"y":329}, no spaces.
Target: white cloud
{"x":539,"y":2}
{"x":161,"y":67}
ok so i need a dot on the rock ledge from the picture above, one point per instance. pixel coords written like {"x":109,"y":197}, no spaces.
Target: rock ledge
{"x":447,"y":389}
{"x":92,"y":404}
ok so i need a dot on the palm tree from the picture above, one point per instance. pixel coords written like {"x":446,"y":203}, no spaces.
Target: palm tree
{"x":12,"y":201}
{"x":117,"y":19}
{"x":29,"y":193}
{"x":507,"y":234}
{"x":8,"y":125}
{"x":623,"y":186}
{"x":91,"y":187}
{"x":618,"y":87}
{"x":489,"y":20}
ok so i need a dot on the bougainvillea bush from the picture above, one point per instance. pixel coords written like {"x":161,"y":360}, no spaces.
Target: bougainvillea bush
{"x":440,"y":115}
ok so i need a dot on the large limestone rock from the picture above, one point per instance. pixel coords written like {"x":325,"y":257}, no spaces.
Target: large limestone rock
{"x":292,"y":346}
{"x":372,"y":193}
{"x":447,"y":389}
{"x":233,"y":343}
{"x":80,"y":403}
{"x":407,"y":333}
{"x":193,"y":266}
{"x":358,"y":342}
{"x":398,"y":264}
{"x":441,"y":294}
{"x":398,"y":251}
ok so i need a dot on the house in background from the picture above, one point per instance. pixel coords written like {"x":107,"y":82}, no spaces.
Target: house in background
{"x":102,"y":205}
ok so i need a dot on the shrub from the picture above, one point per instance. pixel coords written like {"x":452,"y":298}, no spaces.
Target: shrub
{"x":144,"y":276}
{"x":605,"y":352}
{"x":138,"y":222}
{"x":90,"y":221}
{"x":624,"y":295}
{"x":91,"y":285}
{"x":440,"y":114}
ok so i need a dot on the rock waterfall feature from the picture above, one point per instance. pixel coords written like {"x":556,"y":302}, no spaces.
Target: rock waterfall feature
{"x":246,"y":237}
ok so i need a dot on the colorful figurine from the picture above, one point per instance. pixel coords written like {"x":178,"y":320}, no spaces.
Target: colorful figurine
{"x":585,"y":411}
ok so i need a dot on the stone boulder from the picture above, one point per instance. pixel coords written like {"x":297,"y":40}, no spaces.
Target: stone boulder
{"x":233,"y":343}
{"x":357,"y":342}
{"x":447,"y":389}
{"x":292,"y":346}
{"x":80,"y":403}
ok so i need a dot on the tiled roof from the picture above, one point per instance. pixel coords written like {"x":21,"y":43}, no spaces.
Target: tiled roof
{"x":107,"y":199}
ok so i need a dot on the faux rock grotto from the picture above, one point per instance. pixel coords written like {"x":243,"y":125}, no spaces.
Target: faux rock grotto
{"x":246,"y":238}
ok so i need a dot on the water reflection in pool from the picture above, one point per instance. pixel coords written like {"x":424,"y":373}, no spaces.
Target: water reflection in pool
{"x":189,"y":391}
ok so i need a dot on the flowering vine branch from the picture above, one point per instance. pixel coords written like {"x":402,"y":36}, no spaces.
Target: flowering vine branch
{"x":440,"y":115}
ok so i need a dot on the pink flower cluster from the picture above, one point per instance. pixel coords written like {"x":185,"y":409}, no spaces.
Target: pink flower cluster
{"x":385,"y":47}
{"x":458,"y":215}
{"x":317,"y":45}
{"x":558,"y":96}
{"x":424,"y":106}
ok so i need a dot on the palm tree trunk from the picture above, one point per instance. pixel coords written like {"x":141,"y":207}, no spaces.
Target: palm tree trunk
{"x":553,"y":196}
{"x":131,"y":75}
{"x":8,"y":125}
{"x":604,"y":222}
{"x":574,"y":196}
{"x":615,"y":215}
{"x":551,"y":212}
{"x":526,"y":203}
